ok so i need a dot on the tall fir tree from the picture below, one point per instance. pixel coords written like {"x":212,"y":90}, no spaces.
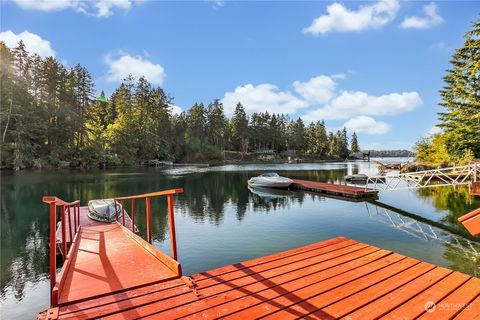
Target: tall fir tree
{"x":239,"y":129}
{"x":354,"y":148}
{"x":461,"y":98}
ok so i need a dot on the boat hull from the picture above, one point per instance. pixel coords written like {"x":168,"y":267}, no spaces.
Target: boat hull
{"x":269,"y":184}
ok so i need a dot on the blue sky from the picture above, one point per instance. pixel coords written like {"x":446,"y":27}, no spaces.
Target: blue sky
{"x":375,"y":67}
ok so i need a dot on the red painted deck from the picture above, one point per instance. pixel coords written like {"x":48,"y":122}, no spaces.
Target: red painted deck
{"x":85,"y":221}
{"x":334,"y":279}
{"x":471,"y":221}
{"x":475,"y":189}
{"x":333,"y":189}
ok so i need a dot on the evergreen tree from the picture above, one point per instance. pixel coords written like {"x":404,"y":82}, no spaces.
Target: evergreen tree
{"x":461,"y":98}
{"x":239,"y":129}
{"x":216,"y":124}
{"x":354,"y":144}
{"x":297,"y":135}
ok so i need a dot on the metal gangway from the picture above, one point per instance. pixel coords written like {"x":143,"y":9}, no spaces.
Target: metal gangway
{"x":451,"y":176}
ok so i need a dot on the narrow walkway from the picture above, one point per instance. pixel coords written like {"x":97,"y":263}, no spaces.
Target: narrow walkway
{"x":334,"y":189}
{"x":108,"y":258}
{"x":337,"y":278}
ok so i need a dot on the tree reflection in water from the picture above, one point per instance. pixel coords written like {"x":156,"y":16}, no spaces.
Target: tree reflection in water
{"x":456,"y":201}
{"x":208,"y":198}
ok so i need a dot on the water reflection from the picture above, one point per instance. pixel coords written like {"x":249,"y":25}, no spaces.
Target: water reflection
{"x":217,"y":202}
{"x":455,"y":201}
{"x":463,"y":254}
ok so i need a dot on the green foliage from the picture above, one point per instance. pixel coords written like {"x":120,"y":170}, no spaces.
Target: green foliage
{"x":459,"y":141}
{"x":239,"y":129}
{"x":50,"y":117}
{"x":354,"y":147}
{"x":433,"y":151}
{"x":461,"y":98}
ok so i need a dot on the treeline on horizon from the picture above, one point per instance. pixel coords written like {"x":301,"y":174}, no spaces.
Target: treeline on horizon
{"x":51,"y":118}
{"x":390,"y":153}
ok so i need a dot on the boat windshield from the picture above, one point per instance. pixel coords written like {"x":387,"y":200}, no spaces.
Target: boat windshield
{"x":270,"y":175}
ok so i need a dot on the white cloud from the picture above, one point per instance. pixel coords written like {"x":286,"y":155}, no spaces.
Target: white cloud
{"x":46,"y":5}
{"x":137,"y":66}
{"x":367,"y":125}
{"x":175,"y":109}
{"x":262,"y":97}
{"x":353,"y":103}
{"x":318,"y":89}
{"x":105,"y":7}
{"x":98,"y":8}
{"x":431,"y":19}
{"x":33,"y":42}
{"x":341,"y":19}
{"x":434,"y":130}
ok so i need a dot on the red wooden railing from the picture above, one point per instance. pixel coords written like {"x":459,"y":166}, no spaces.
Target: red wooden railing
{"x":54,"y":203}
{"x":68,"y":207}
{"x":147,"y":197}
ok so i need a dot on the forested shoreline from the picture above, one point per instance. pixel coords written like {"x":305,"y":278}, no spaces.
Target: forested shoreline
{"x":50,"y":117}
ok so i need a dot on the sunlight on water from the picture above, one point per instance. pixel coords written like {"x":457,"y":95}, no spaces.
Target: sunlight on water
{"x":221,"y":221}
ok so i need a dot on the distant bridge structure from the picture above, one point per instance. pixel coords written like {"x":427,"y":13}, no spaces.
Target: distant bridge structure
{"x":452,"y":176}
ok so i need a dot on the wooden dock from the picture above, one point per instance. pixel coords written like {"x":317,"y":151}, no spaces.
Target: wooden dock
{"x":333,"y":279}
{"x":336,"y":190}
{"x":84,"y":222}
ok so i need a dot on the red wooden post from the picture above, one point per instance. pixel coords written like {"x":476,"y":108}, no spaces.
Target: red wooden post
{"x":78,"y":215}
{"x":123,"y":213}
{"x":75,"y":217}
{"x":53,"y":251}
{"x":133,"y":215}
{"x":116,"y":211}
{"x":64,"y":240}
{"x":173,"y":235}
{"x":149,"y":225}
{"x":70,"y":225}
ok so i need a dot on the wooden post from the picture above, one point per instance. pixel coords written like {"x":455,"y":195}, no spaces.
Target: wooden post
{"x":173,"y":235}
{"x":53,"y":251}
{"x":78,"y":214}
{"x":133,"y":215}
{"x":116,"y":211}
{"x":70,"y":225}
{"x":64,"y":240}
{"x":75,"y":217}
{"x":123,"y":213}
{"x":475,"y":167}
{"x":149,"y":224}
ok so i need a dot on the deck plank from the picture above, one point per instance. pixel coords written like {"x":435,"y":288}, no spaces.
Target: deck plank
{"x":337,"y":278}
{"x":385,"y":304}
{"x":243,"y":286}
{"x":357,"y":300}
{"x":454,"y":302}
{"x":419,"y":304}
{"x":222,"y":303}
{"x":339,"y":190}
{"x":108,"y":261}
{"x":471,"y":311}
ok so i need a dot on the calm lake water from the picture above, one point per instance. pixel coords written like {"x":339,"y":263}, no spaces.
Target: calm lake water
{"x":220,"y":221}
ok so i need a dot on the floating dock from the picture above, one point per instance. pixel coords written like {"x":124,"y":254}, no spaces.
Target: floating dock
{"x":113,"y":275}
{"x":336,"y":190}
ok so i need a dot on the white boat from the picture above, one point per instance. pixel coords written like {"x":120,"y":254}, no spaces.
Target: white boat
{"x":270,"y":180}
